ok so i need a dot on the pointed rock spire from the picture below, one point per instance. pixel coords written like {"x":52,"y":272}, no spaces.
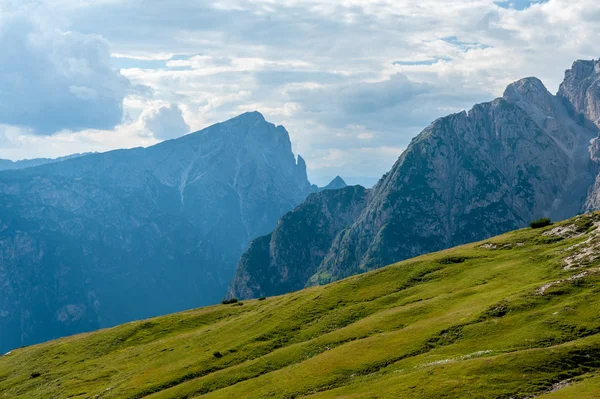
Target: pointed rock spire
{"x":336,"y":184}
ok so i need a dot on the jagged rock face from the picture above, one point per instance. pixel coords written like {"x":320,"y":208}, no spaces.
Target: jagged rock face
{"x":582,"y":87}
{"x":466,"y":177}
{"x":286,"y":259}
{"x":106,"y":238}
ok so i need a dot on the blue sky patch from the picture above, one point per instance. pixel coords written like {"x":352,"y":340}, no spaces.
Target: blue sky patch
{"x":518,"y":4}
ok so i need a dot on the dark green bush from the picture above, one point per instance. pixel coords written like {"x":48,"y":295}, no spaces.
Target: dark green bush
{"x":229,"y":301}
{"x":217,"y":354}
{"x":35,"y":374}
{"x":262,"y":298}
{"x":543,"y":222}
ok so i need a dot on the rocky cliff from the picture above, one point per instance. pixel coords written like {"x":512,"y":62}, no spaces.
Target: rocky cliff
{"x":286,"y":259}
{"x":581,"y":87}
{"x":469,"y":176}
{"x":107,"y":238}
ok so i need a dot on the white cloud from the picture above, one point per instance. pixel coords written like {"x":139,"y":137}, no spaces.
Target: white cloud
{"x":165,"y":122}
{"x":207,"y":65}
{"x":19,"y":143}
{"x":52,"y":80}
{"x":352,"y":80}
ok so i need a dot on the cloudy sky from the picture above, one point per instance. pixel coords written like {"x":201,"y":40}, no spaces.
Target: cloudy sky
{"x":352,"y":81}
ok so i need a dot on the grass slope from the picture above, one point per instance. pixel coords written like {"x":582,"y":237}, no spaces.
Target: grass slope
{"x":517,"y":316}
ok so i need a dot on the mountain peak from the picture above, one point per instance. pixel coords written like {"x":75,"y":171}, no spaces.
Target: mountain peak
{"x":531,"y":89}
{"x":530,"y":93}
{"x":336,"y":184}
{"x":253,"y":116}
{"x":301,"y":161}
{"x":507,"y":161}
{"x":582,"y":69}
{"x":581,"y":87}
{"x":301,"y":167}
{"x":220,"y":187}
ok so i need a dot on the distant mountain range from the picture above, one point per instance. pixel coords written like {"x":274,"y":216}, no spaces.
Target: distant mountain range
{"x":6,"y":164}
{"x":97,"y":240}
{"x":466,"y":177}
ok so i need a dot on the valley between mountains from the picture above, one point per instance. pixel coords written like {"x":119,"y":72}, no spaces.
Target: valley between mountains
{"x":515,"y":316}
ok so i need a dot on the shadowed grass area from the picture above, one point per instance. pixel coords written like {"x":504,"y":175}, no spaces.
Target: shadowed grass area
{"x":498,"y":319}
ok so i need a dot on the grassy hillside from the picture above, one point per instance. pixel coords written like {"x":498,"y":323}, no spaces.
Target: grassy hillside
{"x":517,"y":316}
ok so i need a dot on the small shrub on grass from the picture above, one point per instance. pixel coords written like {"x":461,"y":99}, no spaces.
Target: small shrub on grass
{"x":217,"y":354}
{"x":229,"y":301}
{"x":262,"y":298}
{"x":35,"y":374}
{"x":543,"y":222}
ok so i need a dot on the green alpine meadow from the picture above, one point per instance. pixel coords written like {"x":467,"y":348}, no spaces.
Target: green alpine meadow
{"x":515,"y":316}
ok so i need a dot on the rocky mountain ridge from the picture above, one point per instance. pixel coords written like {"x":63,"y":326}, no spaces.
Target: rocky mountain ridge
{"x":107,"y":238}
{"x":466,"y":177}
{"x":7,"y":164}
